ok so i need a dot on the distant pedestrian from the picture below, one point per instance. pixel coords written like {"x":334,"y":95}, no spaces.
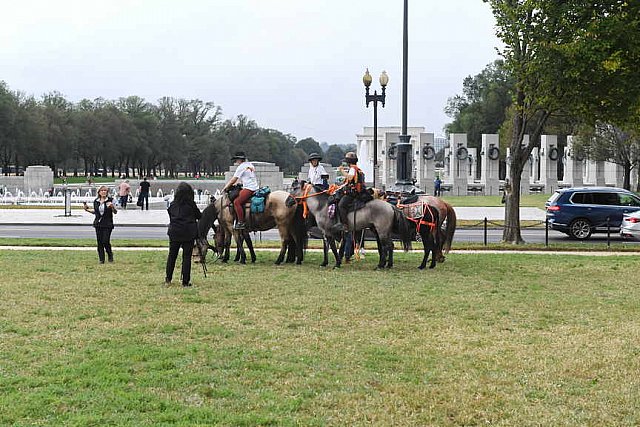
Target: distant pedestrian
{"x":103,"y":210}
{"x":437,"y":186}
{"x":183,"y":230}
{"x":124,"y":189}
{"x":143,"y":197}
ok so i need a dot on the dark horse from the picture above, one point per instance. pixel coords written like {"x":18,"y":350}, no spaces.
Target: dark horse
{"x":280,"y":213}
{"x":426,"y":226}
{"x":379,"y":216}
{"x":220,"y":247}
{"x":446,"y":223}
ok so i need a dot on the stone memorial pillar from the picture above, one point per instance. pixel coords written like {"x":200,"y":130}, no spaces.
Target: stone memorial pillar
{"x":549,"y":156}
{"x":459,"y":163}
{"x":268,"y":175}
{"x":489,"y":168}
{"x":425,"y":158}
{"x":473,"y":161}
{"x":37,"y":178}
{"x":614,"y":174}
{"x":388,"y":162}
{"x":535,"y":166}
{"x":573,"y":166}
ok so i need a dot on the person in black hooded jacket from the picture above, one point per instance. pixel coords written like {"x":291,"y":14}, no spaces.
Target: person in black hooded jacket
{"x":183,"y":230}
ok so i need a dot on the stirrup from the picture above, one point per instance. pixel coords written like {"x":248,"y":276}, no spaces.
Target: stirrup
{"x":239,"y":226}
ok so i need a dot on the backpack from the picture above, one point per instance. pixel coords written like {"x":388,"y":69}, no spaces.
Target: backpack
{"x":258,"y":199}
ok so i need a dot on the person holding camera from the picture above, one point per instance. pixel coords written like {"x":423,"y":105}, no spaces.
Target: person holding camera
{"x":103,"y":209}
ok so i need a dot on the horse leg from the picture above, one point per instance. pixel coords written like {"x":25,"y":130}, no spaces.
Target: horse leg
{"x":227,"y":249}
{"x":383,"y":254}
{"x":390,"y":254}
{"x":426,"y":247}
{"x":292,"y":251}
{"x":434,"y":245}
{"x":240,"y":254}
{"x":284,"y":242}
{"x":252,"y":253}
{"x":325,"y":252}
{"x":336,"y":253}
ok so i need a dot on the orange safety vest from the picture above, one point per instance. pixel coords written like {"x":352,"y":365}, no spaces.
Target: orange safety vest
{"x":357,"y":184}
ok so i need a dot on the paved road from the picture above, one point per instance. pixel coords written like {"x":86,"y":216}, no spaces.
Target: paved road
{"x":155,"y":232}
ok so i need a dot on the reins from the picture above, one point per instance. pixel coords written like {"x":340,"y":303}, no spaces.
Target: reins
{"x":302,"y":200}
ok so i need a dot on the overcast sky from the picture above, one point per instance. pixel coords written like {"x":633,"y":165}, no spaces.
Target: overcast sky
{"x":291,"y":65}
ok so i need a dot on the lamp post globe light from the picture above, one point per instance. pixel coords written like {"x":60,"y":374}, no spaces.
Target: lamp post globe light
{"x":375,"y":98}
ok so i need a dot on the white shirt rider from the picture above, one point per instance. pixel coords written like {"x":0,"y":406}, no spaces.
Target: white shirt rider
{"x":246,"y":174}
{"x":315,"y":174}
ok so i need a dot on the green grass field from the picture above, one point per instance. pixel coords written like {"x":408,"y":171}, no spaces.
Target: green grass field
{"x":482,"y":340}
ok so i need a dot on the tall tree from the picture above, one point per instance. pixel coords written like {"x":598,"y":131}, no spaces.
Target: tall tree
{"x":483,"y":104}
{"x":557,"y":52}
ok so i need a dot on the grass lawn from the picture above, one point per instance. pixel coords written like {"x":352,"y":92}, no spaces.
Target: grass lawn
{"x":482,"y":339}
{"x":526,"y":201}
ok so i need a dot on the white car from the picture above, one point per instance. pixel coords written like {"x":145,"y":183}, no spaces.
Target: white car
{"x":630,"y":226}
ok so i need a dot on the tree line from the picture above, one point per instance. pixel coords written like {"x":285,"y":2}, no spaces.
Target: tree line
{"x":133,"y":136}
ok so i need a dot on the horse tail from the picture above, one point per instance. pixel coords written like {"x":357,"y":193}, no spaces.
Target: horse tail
{"x":401,"y":226}
{"x":450,"y":229}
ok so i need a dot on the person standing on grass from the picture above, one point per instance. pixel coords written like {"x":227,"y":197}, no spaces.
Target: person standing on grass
{"x":183,"y":230}
{"x":103,"y":209}
{"x":123,"y":192}
{"x":144,"y":193}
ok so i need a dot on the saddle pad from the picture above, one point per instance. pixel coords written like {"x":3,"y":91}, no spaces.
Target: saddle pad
{"x":413,"y":210}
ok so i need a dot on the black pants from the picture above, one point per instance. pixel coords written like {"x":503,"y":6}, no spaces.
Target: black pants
{"x":187,"y":250}
{"x":344,"y":206}
{"x":144,"y":198}
{"x":103,"y":236}
{"x":123,"y":201}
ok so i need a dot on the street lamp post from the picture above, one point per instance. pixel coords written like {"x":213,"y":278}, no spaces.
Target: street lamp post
{"x":404,"y":168}
{"x":375,"y":98}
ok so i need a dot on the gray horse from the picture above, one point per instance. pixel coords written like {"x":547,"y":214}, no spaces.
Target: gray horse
{"x":379,"y":216}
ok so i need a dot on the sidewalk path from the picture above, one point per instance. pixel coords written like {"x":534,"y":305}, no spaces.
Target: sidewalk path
{"x":159,"y":218}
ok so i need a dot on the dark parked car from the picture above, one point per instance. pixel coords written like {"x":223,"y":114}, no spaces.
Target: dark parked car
{"x":581,"y":211}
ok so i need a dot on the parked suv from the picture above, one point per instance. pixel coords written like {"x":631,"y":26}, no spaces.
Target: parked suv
{"x":579,"y":212}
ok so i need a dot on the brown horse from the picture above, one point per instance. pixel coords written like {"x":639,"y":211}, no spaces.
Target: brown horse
{"x":279,"y":212}
{"x":446,"y":224}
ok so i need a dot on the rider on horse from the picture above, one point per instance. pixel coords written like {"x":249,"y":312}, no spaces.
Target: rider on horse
{"x":246,"y":174}
{"x":317,"y":174}
{"x":354,"y":188}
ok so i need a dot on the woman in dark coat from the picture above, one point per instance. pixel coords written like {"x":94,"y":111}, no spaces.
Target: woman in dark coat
{"x":183,"y":230}
{"x":103,"y":209}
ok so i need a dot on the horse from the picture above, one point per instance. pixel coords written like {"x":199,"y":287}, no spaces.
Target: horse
{"x":279,"y":212}
{"x":381,"y":217}
{"x":427,"y":227}
{"x":446,"y":231}
{"x":220,"y":247}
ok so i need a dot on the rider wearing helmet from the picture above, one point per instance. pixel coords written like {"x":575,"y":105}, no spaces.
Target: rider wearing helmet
{"x":317,"y":173}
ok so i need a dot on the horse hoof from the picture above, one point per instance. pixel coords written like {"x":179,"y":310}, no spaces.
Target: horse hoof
{"x":421,"y":267}
{"x":324,"y":264}
{"x":432,"y":266}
